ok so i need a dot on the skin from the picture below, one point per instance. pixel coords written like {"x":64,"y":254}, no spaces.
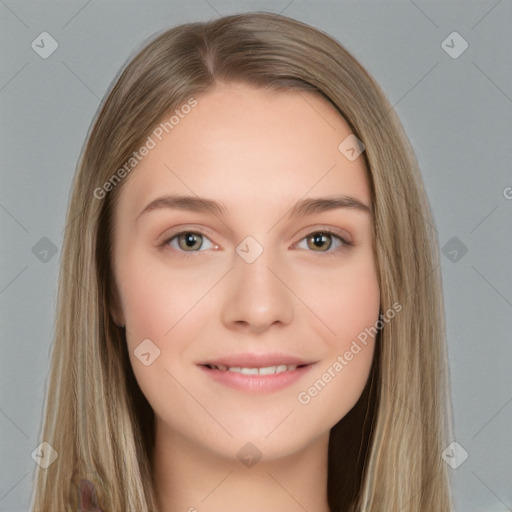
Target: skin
{"x":257,"y":152}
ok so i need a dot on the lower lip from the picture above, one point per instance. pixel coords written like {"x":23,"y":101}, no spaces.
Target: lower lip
{"x":257,"y":383}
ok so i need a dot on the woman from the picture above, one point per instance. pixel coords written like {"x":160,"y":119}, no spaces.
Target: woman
{"x":250,"y":313}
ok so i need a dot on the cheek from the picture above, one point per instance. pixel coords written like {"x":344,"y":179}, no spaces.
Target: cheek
{"x":146,"y":305}
{"x":166,"y":307}
{"x":357,"y":311}
{"x":346,"y":300}
{"x":357,"y":302}
{"x":155,"y":298}
{"x":154,"y":311}
{"x":349,"y":305}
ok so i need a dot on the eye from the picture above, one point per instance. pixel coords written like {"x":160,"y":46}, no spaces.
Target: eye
{"x":189,"y":241}
{"x":322,"y":241}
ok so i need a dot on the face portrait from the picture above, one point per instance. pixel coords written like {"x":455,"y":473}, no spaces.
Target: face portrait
{"x":243,"y":252}
{"x":249,"y":309}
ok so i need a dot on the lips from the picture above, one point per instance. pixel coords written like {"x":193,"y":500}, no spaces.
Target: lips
{"x":251,"y":360}
{"x":256,"y":372}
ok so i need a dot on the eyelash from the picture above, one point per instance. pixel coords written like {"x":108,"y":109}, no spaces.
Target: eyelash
{"x":345,"y":243}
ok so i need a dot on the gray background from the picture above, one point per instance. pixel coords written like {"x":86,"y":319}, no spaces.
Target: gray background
{"x":457,"y":113}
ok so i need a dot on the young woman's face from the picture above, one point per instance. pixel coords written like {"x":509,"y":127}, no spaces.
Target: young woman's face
{"x":245,"y":286}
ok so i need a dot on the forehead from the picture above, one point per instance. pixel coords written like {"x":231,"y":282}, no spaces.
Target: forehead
{"x":244,"y":145}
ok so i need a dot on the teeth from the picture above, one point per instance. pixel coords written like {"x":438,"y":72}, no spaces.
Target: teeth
{"x":249,"y":371}
{"x":268,"y":370}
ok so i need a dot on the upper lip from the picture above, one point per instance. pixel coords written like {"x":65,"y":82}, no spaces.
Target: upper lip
{"x":253,"y":360}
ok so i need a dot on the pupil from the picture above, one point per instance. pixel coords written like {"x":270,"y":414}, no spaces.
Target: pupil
{"x":191,"y":240}
{"x":321,"y":240}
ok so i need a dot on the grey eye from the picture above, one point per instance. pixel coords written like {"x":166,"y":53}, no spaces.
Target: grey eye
{"x":190,"y":241}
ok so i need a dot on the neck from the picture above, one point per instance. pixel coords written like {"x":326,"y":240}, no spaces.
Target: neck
{"x":189,"y":478}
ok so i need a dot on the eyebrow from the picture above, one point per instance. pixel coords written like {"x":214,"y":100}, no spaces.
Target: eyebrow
{"x":190,"y":203}
{"x":321,"y":204}
{"x":302,"y":208}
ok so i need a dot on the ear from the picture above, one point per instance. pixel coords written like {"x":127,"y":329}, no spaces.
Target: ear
{"x":87,"y":499}
{"x":116,"y":311}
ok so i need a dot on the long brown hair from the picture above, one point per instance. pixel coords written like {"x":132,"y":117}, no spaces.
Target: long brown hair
{"x":385,"y":454}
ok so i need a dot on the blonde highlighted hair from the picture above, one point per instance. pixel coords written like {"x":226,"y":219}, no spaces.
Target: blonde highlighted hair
{"x":385,"y":454}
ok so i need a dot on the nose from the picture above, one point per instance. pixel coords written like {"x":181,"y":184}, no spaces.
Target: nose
{"x":256,"y":297}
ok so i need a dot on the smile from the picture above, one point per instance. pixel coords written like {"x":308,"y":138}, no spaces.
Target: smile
{"x":267,"y":370}
{"x":256,"y":373}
